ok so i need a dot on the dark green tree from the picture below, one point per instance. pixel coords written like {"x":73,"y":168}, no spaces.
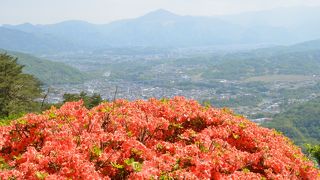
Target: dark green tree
{"x":314,"y":151}
{"x":89,"y":101}
{"x":18,"y":91}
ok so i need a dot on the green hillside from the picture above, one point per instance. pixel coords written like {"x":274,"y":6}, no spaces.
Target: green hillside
{"x":48,"y":72}
{"x":300,"y":122}
{"x":285,"y":63}
{"x":308,"y":45}
{"x":301,"y":59}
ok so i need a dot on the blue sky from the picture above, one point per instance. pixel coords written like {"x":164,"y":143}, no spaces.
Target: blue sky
{"x":104,"y":11}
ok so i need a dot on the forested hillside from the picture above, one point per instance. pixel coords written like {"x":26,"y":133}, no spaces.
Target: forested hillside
{"x":48,"y":72}
{"x":299,"y":59}
{"x":300,"y":122}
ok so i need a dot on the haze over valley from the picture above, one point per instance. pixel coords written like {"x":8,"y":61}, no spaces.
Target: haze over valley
{"x":91,"y":90}
{"x":257,"y":63}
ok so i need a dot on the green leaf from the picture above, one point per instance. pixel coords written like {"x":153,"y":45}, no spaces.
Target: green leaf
{"x":52,"y":115}
{"x":4,"y":164}
{"x":116,"y":165}
{"x":242,"y":125}
{"x":245,"y":170}
{"x":22,"y":121}
{"x":41,"y":175}
{"x":129,"y":161}
{"x":235,"y":136}
{"x":175,"y":125}
{"x":96,"y":151}
{"x":136,"y":166}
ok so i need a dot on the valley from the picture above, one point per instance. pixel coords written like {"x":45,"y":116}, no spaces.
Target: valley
{"x":245,"y":80}
{"x":166,"y":90}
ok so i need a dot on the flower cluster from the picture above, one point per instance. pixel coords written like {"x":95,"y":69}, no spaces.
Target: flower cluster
{"x":155,"y":139}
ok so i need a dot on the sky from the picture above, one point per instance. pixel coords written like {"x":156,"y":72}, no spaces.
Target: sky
{"x":104,"y":11}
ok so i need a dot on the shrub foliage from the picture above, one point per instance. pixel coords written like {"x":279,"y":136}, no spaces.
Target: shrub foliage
{"x":155,"y":139}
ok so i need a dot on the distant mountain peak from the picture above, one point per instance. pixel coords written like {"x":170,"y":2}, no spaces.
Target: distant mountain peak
{"x":160,"y":13}
{"x":19,"y":25}
{"x":74,"y":22}
{"x":26,"y":24}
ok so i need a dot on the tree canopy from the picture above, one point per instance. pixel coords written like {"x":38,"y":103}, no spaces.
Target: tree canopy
{"x":89,"y":101}
{"x":18,"y":91}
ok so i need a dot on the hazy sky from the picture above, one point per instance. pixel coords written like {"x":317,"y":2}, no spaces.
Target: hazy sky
{"x":103,"y":11}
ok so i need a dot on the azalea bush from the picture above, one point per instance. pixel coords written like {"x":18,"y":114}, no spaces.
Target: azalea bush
{"x":155,"y":139}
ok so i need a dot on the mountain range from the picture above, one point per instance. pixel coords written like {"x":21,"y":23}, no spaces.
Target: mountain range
{"x":162,"y":28}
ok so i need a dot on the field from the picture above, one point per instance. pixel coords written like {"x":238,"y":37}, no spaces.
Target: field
{"x":280,"y":78}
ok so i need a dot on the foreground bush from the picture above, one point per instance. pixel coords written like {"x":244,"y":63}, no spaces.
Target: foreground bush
{"x":155,"y":139}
